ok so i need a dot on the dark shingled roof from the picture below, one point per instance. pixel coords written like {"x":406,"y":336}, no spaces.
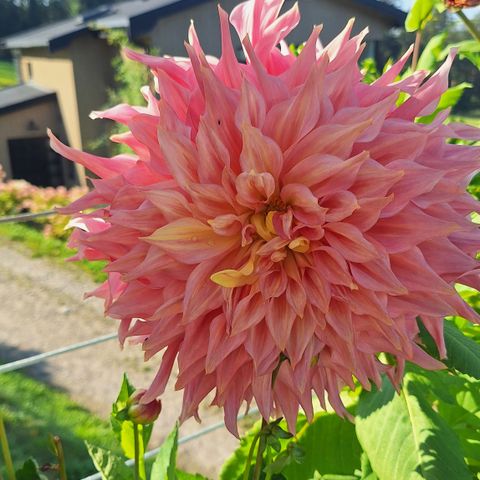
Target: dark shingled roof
{"x":22,"y":95}
{"x":138,"y":17}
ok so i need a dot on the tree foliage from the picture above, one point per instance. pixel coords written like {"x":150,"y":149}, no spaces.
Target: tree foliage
{"x":18,"y":15}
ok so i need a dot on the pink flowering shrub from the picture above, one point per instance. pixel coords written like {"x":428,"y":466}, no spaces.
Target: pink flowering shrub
{"x":19,"y":196}
{"x":280,"y":207}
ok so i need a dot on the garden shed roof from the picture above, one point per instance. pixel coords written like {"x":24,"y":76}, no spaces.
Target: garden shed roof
{"x":138,"y":17}
{"x":22,"y":95}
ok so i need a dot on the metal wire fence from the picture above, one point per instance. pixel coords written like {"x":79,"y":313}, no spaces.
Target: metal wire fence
{"x":36,"y":359}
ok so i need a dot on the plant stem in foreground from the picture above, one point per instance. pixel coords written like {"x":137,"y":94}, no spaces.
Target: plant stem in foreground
{"x":62,"y":471}
{"x":470,"y":25}
{"x":261,"y":448}
{"x":263,"y":439}
{"x":6,"y":451}
{"x":250,"y":455}
{"x":416,"y":49}
{"x":139,"y":467}
{"x":137,"y":452}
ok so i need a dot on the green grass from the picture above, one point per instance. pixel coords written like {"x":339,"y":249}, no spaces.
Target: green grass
{"x":41,"y":246}
{"x":8,"y":76}
{"x":32,"y":411}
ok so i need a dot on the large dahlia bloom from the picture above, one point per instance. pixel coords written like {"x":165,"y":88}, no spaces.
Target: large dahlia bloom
{"x":280,"y":208}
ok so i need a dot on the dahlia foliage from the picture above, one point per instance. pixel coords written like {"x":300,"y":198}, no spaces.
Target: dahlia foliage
{"x":280,"y":206}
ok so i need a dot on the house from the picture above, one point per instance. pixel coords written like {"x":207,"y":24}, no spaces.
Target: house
{"x":65,"y":69}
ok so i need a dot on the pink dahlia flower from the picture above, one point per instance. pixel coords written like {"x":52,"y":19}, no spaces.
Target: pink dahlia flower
{"x":280,"y":206}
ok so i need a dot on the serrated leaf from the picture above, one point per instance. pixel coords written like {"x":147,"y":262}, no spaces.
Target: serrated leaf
{"x":405,"y":439}
{"x":419,"y":15}
{"x":111,"y":466}
{"x":165,"y":462}
{"x":331,"y":447}
{"x":30,"y":471}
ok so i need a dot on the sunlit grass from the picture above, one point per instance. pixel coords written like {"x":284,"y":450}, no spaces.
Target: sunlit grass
{"x":8,"y":76}
{"x":34,"y":411}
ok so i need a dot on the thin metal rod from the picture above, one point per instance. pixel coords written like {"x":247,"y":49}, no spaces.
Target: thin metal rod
{"x":34,"y":359}
{"x":181,"y":441}
{"x":25,"y":217}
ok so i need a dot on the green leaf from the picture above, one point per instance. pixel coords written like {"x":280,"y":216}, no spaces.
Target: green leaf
{"x":448,"y":100}
{"x":331,"y":447}
{"x":367,"y":472}
{"x":463,"y":353}
{"x":405,"y":439}
{"x":30,"y":471}
{"x":111,"y":466}
{"x":123,"y":428}
{"x":118,"y":414}
{"x":234,"y":467}
{"x":419,"y":15}
{"x":457,"y":400}
{"x":432,"y":54}
{"x":164,"y":466}
{"x":181,"y":475}
{"x":468,"y":49}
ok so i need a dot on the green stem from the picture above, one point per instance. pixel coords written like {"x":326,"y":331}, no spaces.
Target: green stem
{"x":62,"y":470}
{"x":6,"y":451}
{"x":470,"y":25}
{"x":261,"y":448}
{"x":139,"y":469}
{"x":250,"y":456}
{"x":416,"y":49}
{"x":136,"y":443}
{"x":263,"y":439}
{"x":268,"y":476}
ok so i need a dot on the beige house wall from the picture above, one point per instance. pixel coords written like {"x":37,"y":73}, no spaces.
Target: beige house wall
{"x":55,"y":72}
{"x":80,"y":74}
{"x":168,"y":31}
{"x":93,"y":72}
{"x":18,"y":123}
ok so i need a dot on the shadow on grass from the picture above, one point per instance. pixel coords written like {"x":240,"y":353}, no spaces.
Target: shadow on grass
{"x":40,"y":371}
{"x":33,"y":411}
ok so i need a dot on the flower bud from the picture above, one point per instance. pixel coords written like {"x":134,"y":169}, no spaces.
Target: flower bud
{"x":461,"y":3}
{"x":143,"y":413}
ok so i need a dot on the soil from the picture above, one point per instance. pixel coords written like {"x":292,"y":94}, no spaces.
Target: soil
{"x":42,"y":308}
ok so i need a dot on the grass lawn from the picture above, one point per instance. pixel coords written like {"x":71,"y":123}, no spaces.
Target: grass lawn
{"x":32,"y":411}
{"x":8,"y":76}
{"x":42,"y":246}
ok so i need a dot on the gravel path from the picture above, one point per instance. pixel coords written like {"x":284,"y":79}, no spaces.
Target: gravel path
{"x":42,"y":308}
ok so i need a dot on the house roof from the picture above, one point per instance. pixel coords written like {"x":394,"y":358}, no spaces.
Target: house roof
{"x":138,"y":17}
{"x":22,"y":95}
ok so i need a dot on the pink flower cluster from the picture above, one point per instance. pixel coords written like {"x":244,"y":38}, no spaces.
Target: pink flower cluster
{"x":281,"y":206}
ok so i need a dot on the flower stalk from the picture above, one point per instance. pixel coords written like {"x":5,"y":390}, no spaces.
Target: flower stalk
{"x":136,"y":441}
{"x":261,"y":435}
{"x":469,"y":24}
{"x":62,"y":470}
{"x":416,"y":49}
{"x":6,"y":451}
